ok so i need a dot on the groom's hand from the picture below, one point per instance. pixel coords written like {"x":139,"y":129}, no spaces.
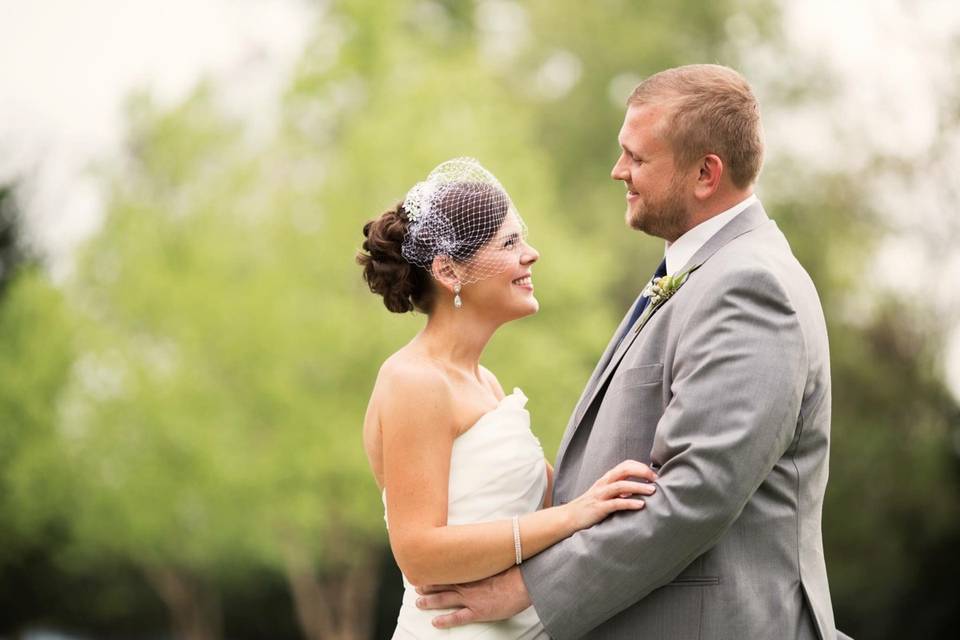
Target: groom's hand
{"x":495,"y":598}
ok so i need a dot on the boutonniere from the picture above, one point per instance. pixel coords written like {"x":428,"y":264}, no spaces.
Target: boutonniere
{"x":660,"y":290}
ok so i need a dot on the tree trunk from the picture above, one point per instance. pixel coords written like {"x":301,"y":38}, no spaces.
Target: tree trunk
{"x":194,"y":607}
{"x":336,"y":608}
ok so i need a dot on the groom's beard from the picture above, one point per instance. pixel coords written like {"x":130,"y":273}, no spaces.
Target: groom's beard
{"x":666,"y":218}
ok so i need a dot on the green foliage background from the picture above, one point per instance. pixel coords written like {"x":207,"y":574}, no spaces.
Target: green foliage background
{"x":192,"y":397}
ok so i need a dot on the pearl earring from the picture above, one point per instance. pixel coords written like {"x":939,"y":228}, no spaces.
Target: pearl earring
{"x":457,"y":302}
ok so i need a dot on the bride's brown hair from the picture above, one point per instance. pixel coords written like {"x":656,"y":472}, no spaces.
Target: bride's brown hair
{"x":404,"y":286}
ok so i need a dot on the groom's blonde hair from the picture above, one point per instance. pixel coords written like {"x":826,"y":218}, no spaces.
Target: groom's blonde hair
{"x":711,"y":109}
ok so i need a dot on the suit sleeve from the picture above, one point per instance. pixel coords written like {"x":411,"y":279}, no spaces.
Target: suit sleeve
{"x":737,"y":385}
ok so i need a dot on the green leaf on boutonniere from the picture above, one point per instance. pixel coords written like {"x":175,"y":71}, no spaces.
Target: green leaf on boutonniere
{"x":661,"y":290}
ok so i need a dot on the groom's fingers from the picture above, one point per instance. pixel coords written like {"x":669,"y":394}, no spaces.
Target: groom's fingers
{"x":443,"y":600}
{"x":455,"y":619}
{"x":434,"y":588}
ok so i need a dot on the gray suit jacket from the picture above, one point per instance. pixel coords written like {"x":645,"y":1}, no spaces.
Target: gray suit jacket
{"x":725,"y":390}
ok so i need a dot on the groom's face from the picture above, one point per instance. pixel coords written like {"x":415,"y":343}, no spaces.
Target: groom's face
{"x":656,"y":191}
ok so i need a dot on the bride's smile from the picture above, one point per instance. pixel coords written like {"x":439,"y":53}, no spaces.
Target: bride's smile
{"x":524,"y":282}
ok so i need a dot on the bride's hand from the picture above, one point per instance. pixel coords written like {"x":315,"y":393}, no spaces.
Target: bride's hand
{"x":612,"y":493}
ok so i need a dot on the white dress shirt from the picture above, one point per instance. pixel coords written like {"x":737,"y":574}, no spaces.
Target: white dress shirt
{"x":679,"y":252}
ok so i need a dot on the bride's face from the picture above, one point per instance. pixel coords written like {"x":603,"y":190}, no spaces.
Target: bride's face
{"x":508,"y":293}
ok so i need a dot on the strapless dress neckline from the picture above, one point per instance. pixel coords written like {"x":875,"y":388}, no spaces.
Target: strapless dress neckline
{"x":515,"y":401}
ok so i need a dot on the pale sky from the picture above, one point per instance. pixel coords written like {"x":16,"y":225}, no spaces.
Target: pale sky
{"x":66,"y":66}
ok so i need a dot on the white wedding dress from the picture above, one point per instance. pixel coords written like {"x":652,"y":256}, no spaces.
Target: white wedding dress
{"x":497,"y":471}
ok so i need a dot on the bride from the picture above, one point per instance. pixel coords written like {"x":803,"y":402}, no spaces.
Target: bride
{"x":466,"y":488}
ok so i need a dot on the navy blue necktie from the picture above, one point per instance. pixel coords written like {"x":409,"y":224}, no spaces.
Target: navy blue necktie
{"x":641,"y":303}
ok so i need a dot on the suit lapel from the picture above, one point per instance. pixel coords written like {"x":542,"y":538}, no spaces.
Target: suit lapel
{"x":748,"y":220}
{"x":591,"y":383}
{"x":611,"y":346}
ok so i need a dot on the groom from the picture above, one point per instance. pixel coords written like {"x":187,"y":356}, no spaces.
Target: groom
{"x":720,"y":380}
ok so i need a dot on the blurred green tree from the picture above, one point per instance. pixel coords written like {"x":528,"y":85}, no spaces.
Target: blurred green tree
{"x":35,"y":355}
{"x":194,"y":394}
{"x":11,"y":243}
{"x":227,"y":343}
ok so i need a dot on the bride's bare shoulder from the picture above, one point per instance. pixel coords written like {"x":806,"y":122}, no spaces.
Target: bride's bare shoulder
{"x":411,"y":385}
{"x":404,"y":367}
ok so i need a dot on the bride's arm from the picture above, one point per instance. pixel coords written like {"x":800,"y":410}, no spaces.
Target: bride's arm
{"x":417,"y":428}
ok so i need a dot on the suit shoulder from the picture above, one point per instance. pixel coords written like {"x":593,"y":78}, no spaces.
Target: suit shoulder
{"x":761,"y":258}
{"x":724,"y":275}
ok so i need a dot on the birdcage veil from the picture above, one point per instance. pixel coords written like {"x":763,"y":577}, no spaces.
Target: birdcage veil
{"x":462,"y":214}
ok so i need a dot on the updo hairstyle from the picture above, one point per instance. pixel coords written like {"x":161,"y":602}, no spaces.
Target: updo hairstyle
{"x":404,"y":286}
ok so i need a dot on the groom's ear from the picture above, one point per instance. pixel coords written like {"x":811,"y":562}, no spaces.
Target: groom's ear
{"x":444,"y":271}
{"x":708,"y":180}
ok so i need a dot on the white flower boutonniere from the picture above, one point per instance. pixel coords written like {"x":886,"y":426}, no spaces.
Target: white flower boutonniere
{"x":660,"y":290}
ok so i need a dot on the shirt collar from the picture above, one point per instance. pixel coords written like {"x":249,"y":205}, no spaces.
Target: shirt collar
{"x":679,"y":252}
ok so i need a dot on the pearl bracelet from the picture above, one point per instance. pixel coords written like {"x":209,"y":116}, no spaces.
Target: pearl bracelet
{"x":516,"y":539}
